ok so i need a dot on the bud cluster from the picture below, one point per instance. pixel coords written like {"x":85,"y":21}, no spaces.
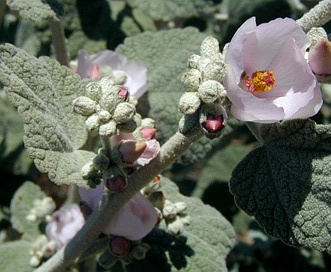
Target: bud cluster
{"x":122,"y":250}
{"x":205,"y":99}
{"x":41,"y":249}
{"x":127,"y":151}
{"x":173,"y":214}
{"x":42,"y":208}
{"x":108,"y":107}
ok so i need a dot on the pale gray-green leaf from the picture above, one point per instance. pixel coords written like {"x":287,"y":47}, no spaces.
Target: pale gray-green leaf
{"x":203,"y":246}
{"x":285,"y":184}
{"x":20,"y":206}
{"x":43,"y":91}
{"x":171,"y":9}
{"x":34,"y":10}
{"x":13,"y":155}
{"x":15,"y":256}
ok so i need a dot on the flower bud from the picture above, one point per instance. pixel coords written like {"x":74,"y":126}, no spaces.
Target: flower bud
{"x":93,"y":91}
{"x":114,"y":180}
{"x":106,"y":83}
{"x":189,"y":103}
{"x":84,"y":105}
{"x":92,"y":124}
{"x":148,"y":133}
{"x":115,"y":184}
{"x":180,"y":207}
{"x":101,"y":162}
{"x":169,"y":209}
{"x":104,"y":116}
{"x":147,"y":122}
{"x":157,"y":199}
{"x":124,"y":112}
{"x":119,"y":246}
{"x":120,"y":78}
{"x":213,"y":123}
{"x":139,"y":251}
{"x":175,"y":226}
{"x":209,"y":47}
{"x":108,"y":129}
{"x":192,"y":80}
{"x":192,"y":61}
{"x":320,"y":58}
{"x":123,"y":93}
{"x":131,"y":150}
{"x":210,"y":90}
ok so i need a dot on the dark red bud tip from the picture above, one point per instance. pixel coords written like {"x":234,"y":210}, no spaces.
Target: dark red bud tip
{"x":156,"y":179}
{"x":123,"y":93}
{"x":119,"y":246}
{"x":148,"y":133}
{"x":115,"y":184}
{"x":85,"y":209}
{"x":213,"y":123}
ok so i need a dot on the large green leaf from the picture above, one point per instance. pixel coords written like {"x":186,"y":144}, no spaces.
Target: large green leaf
{"x":13,"y":155}
{"x":15,"y":256}
{"x":34,"y":10}
{"x":166,"y":10}
{"x":21,"y":204}
{"x":43,"y":91}
{"x":203,"y":246}
{"x":285,"y":184}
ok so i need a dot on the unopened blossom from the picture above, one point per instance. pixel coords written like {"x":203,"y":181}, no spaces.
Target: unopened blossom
{"x":97,"y":65}
{"x":135,"y":220}
{"x":320,"y":58}
{"x":65,"y":223}
{"x":268,"y":78}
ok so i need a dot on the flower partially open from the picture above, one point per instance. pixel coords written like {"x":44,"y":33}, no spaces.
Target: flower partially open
{"x":268,"y":78}
{"x":65,"y":223}
{"x":134,"y":221}
{"x":92,"y":66}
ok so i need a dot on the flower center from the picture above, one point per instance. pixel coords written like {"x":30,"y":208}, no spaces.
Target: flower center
{"x":261,"y":81}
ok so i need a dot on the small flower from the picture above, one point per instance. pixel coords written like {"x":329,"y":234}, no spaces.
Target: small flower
{"x":135,"y":74}
{"x":134,"y":221}
{"x":66,"y":222}
{"x":268,"y":78}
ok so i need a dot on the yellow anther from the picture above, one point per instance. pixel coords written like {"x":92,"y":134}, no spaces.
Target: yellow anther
{"x":261,"y":81}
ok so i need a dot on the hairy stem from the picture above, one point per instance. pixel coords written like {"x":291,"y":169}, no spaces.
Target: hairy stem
{"x":169,"y":152}
{"x":317,"y":16}
{"x":59,"y":42}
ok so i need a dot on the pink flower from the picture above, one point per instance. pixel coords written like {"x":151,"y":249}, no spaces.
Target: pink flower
{"x":66,"y":222}
{"x":320,"y":58}
{"x":89,"y":66}
{"x":134,"y":221}
{"x":268,"y":78}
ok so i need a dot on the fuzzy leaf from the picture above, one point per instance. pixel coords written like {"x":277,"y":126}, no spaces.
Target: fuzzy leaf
{"x":43,"y":91}
{"x":14,"y":256}
{"x":166,"y":60}
{"x":171,"y":9}
{"x":13,"y":155}
{"x":285,"y":184}
{"x":203,"y":246}
{"x":34,"y":10}
{"x":20,"y":206}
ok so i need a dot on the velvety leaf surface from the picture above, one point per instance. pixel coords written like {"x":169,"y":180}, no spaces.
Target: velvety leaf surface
{"x":13,"y":155}
{"x":34,"y":10}
{"x":43,"y":91}
{"x":285,"y":184}
{"x":203,"y":246}
{"x":21,"y":204}
{"x":171,"y":9}
{"x":166,"y":60}
{"x":14,"y":256}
